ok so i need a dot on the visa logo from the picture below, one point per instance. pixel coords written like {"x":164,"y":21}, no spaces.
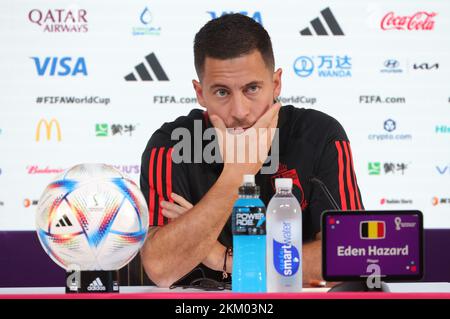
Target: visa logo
{"x":65,"y":66}
{"x":443,"y":169}
{"x":256,"y":16}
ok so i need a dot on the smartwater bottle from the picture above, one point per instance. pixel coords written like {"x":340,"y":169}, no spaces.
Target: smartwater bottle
{"x":249,"y":239}
{"x":284,"y":240}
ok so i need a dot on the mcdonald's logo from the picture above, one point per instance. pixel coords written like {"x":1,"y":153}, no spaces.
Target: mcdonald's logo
{"x":48,"y":129}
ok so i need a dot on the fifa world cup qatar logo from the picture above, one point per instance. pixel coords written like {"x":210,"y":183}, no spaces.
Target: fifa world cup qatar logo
{"x":419,"y":21}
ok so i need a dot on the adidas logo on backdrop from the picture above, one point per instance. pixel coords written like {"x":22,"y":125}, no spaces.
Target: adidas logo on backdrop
{"x":143,"y":69}
{"x":319,"y":27}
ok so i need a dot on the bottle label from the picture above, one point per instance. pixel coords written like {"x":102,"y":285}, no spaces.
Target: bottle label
{"x":249,"y":221}
{"x":286,"y":258}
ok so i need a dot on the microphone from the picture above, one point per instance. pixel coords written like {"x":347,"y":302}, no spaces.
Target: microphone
{"x":325,"y":189}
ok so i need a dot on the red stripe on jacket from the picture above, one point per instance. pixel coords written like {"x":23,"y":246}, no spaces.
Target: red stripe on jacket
{"x":351,"y":190}
{"x":341,"y":176}
{"x":151,"y":205}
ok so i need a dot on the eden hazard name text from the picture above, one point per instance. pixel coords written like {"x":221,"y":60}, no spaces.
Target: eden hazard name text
{"x":349,"y":251}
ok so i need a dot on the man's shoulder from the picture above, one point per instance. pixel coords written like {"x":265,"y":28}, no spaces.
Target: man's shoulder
{"x":311,"y":124}
{"x":185,"y":121}
{"x":162,"y":137}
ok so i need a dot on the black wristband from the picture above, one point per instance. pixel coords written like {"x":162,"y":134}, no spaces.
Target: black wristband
{"x":228,"y":252}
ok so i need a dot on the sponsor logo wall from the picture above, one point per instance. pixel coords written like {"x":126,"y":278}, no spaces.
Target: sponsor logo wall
{"x":91,"y":81}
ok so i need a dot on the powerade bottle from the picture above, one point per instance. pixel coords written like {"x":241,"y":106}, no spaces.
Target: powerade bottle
{"x":249,"y":239}
{"x":284,"y":240}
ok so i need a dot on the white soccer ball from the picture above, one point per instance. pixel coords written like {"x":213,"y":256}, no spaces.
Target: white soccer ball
{"x":92,"y":217}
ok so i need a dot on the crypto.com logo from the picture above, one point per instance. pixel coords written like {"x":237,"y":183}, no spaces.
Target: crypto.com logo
{"x":48,"y":129}
{"x":235,"y":146}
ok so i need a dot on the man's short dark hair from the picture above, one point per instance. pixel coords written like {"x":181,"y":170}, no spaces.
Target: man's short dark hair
{"x":231,"y":36}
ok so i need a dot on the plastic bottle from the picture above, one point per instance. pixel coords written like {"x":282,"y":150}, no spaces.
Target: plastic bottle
{"x":249,"y":239}
{"x":284,"y":240}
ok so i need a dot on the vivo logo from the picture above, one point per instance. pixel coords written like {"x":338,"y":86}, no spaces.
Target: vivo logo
{"x":65,"y":66}
{"x":443,"y":169}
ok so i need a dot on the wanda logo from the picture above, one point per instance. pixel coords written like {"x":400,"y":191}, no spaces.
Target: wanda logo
{"x":419,"y":21}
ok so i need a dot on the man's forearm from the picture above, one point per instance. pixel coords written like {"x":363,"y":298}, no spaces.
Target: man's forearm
{"x":178,"y":247}
{"x":312,"y":261}
{"x":216,"y":258}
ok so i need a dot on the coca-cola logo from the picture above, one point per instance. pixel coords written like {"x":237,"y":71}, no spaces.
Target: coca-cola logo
{"x":60,"y":20}
{"x":35,"y":169}
{"x":419,"y":21}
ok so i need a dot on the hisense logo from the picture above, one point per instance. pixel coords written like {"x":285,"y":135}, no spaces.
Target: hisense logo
{"x":442,"y":129}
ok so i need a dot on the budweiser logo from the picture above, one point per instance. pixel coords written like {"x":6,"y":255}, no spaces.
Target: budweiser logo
{"x":419,"y":21}
{"x":37,"y":170}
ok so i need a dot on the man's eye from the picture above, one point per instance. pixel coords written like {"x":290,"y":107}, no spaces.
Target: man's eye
{"x":253,"y":89}
{"x":221,"y":93}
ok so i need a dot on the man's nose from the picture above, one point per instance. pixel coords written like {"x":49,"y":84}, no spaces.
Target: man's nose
{"x":239,"y":108}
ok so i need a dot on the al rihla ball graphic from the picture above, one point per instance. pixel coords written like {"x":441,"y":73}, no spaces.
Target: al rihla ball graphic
{"x":92,"y":219}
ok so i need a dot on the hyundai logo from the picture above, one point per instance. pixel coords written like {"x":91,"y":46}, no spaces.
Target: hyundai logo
{"x":391,"y":64}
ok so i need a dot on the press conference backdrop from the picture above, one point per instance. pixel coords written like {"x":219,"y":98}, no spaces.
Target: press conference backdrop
{"x":90,"y":81}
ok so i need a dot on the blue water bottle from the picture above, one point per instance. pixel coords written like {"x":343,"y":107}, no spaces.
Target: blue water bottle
{"x":249,"y":239}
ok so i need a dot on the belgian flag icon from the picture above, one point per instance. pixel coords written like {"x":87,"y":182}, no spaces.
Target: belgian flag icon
{"x":373,"y":230}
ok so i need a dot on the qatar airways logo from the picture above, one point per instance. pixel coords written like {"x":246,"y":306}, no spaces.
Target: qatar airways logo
{"x":60,"y":20}
{"x":418,"y":21}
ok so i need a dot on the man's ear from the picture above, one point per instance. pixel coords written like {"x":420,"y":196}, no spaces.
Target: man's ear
{"x":199,"y":92}
{"x":277,"y":83}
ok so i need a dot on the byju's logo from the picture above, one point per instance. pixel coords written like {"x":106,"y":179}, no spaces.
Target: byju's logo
{"x":146,"y":27}
{"x":255,"y":16}
{"x":128,"y":169}
{"x":391,"y":66}
{"x":319,"y":27}
{"x":60,"y":66}
{"x":60,"y":20}
{"x":327,"y":66}
{"x":143,"y":70}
